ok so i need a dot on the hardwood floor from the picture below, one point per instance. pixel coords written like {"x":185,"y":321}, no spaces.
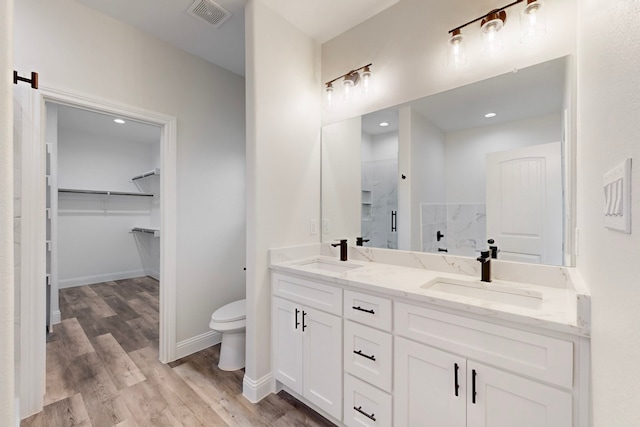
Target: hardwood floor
{"x":103,"y":370}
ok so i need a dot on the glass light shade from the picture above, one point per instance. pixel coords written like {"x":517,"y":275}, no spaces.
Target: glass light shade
{"x":365,"y":81}
{"x":456,"y":53}
{"x":348,"y":87}
{"x":492,"y":37}
{"x":329,"y":92}
{"x":533,"y":21}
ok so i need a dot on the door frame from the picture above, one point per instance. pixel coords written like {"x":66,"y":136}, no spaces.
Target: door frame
{"x":33,"y":264}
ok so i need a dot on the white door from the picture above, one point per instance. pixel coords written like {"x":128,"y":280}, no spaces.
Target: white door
{"x":425,"y":392}
{"x":524,"y":203}
{"x":287,"y":343}
{"x":506,"y":400}
{"x":323,"y":360}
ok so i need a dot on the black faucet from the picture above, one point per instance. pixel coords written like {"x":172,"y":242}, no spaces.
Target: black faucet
{"x":360,"y":241}
{"x":343,"y":249}
{"x":493,"y":248}
{"x":485,"y":260}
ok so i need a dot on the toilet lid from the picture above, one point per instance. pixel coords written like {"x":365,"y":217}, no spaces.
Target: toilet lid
{"x":231,"y":312}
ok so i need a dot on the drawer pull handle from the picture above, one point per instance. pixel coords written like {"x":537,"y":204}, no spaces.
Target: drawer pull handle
{"x":455,"y":376}
{"x":304,"y":324}
{"x":297,"y":322}
{"x":473,"y":386}
{"x":366,"y":356}
{"x":363,"y":309}
{"x":372,"y":417}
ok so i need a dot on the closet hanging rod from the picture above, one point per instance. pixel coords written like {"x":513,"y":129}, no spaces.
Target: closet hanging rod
{"x":155,"y":171}
{"x":107,"y":193}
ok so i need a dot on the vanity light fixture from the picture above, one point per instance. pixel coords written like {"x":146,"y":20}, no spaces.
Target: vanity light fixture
{"x":457,"y":55}
{"x":489,"y":115}
{"x":532,"y":21}
{"x":351,"y":81}
{"x":491,"y":36}
{"x":384,"y":124}
{"x":119,"y":121}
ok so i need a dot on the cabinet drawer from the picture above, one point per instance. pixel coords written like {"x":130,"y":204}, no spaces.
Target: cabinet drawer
{"x":317,"y":295}
{"x":365,"y":405}
{"x":525,"y":353}
{"x":367,"y":354}
{"x":368,"y":309}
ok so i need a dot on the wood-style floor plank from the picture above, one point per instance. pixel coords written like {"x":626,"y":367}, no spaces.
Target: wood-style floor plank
{"x":69,"y":412}
{"x":103,"y":371}
{"x":76,"y":342}
{"x":123,"y":371}
{"x":57,"y":383}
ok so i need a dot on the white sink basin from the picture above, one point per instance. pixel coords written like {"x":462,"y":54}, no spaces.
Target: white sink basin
{"x":491,"y":292}
{"x":328,"y":265}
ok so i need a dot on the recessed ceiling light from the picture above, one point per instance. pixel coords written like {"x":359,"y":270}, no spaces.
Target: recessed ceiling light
{"x":489,"y":115}
{"x":384,"y":124}
{"x":119,"y":121}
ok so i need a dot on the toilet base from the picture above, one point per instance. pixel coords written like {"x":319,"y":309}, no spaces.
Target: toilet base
{"x":232,"y":351}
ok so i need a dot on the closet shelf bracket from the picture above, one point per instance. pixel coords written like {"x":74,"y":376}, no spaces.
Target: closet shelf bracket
{"x":154,"y":231}
{"x":155,"y":171}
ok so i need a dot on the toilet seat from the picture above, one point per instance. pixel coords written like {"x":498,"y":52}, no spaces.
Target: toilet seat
{"x":230,"y":318}
{"x":231,"y":312}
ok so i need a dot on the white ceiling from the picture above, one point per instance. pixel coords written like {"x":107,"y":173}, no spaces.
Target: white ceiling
{"x":168,"y":20}
{"x":84,"y":121}
{"x":530,"y":92}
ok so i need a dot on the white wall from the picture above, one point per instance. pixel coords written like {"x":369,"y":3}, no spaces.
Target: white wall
{"x":407,"y":45}
{"x":341,"y":150}
{"x":76,"y":48}
{"x":6,"y":215}
{"x":283,"y":167}
{"x":466,"y":152}
{"x":384,"y":146}
{"x":608,"y":129}
{"x":96,"y":246}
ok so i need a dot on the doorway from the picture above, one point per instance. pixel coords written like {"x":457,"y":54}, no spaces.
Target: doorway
{"x":34,"y":279}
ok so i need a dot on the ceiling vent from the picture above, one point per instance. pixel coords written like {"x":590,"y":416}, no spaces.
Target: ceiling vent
{"x":210,"y":12}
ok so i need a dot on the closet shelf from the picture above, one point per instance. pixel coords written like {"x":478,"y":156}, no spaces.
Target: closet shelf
{"x":154,"y":231}
{"x":107,"y":193}
{"x":152,"y":172}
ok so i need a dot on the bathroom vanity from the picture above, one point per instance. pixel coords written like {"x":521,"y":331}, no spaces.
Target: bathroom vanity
{"x":410,"y":339}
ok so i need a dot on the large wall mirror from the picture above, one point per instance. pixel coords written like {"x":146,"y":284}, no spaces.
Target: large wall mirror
{"x":446,"y":173}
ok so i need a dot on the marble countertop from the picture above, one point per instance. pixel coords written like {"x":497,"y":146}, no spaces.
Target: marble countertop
{"x":562,"y":306}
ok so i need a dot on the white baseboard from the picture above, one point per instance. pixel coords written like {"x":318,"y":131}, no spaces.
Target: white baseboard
{"x":56,"y":317}
{"x":197,"y":343}
{"x":256,"y":390}
{"x":153,"y":273}
{"x":99,"y":278}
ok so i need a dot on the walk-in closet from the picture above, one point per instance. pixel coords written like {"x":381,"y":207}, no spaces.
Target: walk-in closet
{"x":103,"y":200}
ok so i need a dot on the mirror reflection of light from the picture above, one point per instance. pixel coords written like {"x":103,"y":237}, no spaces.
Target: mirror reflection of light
{"x":489,"y":115}
{"x":119,"y":121}
{"x":384,"y":124}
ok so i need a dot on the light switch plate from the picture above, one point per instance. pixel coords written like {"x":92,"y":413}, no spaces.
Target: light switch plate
{"x":617,"y":197}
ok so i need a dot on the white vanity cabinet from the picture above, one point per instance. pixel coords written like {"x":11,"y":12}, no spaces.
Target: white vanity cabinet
{"x":445,"y":377}
{"x":307,"y":341}
{"x":368,"y":358}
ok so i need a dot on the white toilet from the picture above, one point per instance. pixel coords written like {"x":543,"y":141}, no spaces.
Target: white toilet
{"x":231,"y":321}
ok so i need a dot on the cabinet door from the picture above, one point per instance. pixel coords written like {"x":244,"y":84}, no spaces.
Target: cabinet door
{"x":506,"y":400}
{"x":287,"y":343}
{"x":323,"y":360}
{"x":425,"y":386}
